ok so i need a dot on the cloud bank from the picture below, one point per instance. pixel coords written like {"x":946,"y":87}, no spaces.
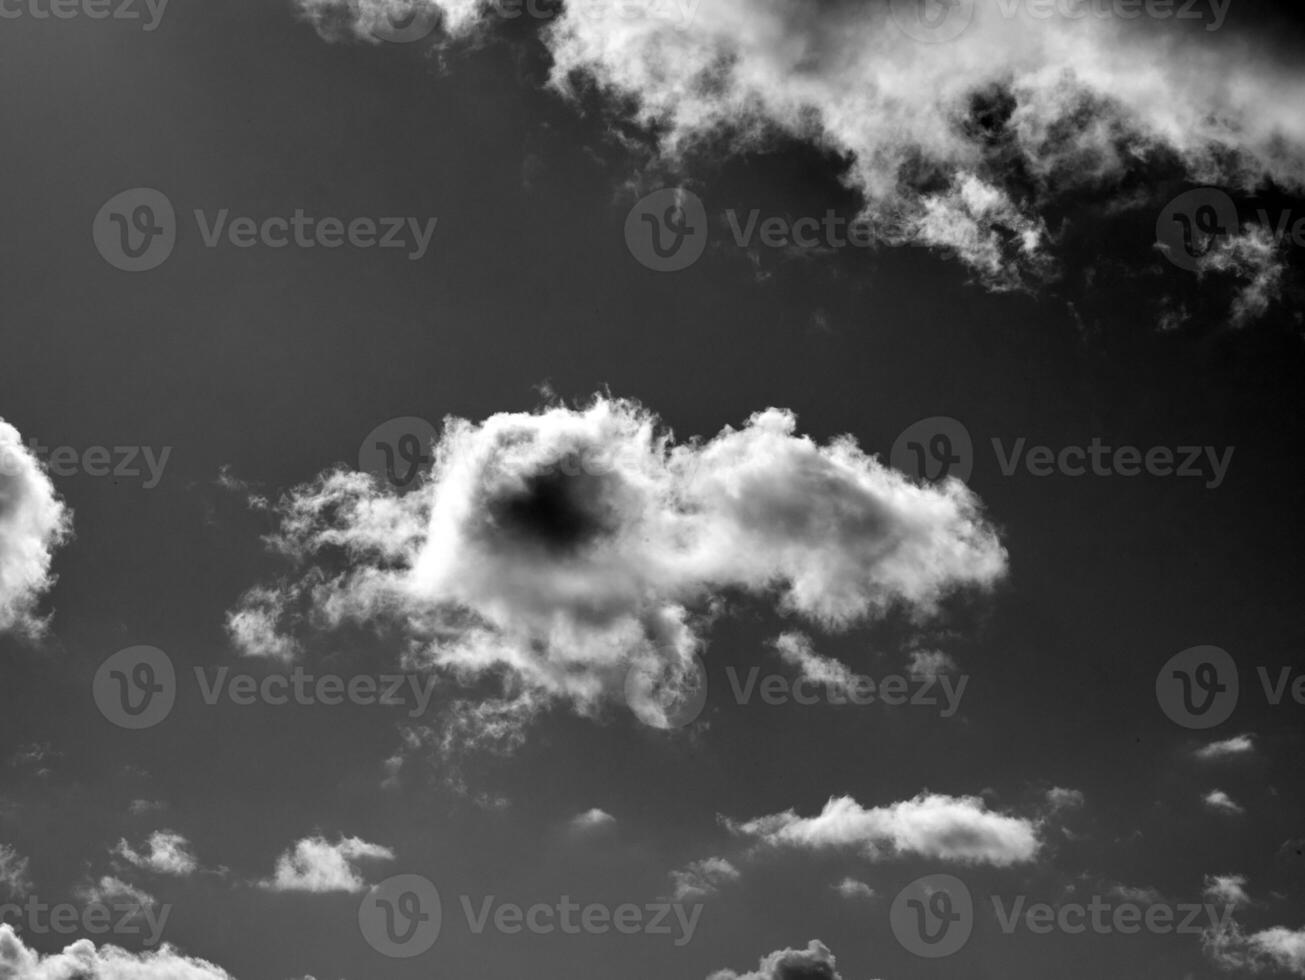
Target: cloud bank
{"x":964,"y":144}
{"x":83,"y":961}
{"x":558,"y":550}
{"x":33,"y":523}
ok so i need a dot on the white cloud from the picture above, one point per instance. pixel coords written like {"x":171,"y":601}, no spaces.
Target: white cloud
{"x":166,"y":853}
{"x":1258,"y":261}
{"x":317,"y":865}
{"x":851,"y":888}
{"x":83,"y":961}
{"x":962,"y":146}
{"x":702,"y":879}
{"x":1227,"y":890}
{"x":816,"y":962}
{"x":1221,"y":802}
{"x":109,"y":890}
{"x":557,"y":550}
{"x":14,"y":882}
{"x":1237,"y":745}
{"x":948,"y":828}
{"x":33,"y":523}
{"x":593,"y":819}
{"x":796,"y":649}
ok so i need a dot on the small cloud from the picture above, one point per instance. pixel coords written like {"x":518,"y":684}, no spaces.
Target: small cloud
{"x":14,"y":882}
{"x":316,"y":865}
{"x":1059,"y":798}
{"x":1237,"y":745}
{"x":795,"y":649}
{"x":930,"y":663}
{"x":815,"y":962}
{"x":1227,"y":890}
{"x":591,"y":820}
{"x":702,"y":879}
{"x":166,"y":853}
{"x":850,"y":888}
{"x":140,"y":807}
{"x":1221,"y":802}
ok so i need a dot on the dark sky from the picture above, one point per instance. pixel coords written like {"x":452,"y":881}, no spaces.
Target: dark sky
{"x":277,"y":363}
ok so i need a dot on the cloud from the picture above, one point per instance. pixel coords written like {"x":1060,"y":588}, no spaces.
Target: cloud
{"x":1227,"y":889}
{"x":590,"y":820}
{"x":109,"y":890}
{"x":969,"y":146}
{"x":84,"y":961}
{"x":1237,"y":745}
{"x":851,"y":888}
{"x":167,"y":853}
{"x":815,"y":962}
{"x":14,"y":881}
{"x":701,"y":879}
{"x":1060,"y":798}
{"x":1253,"y":258}
{"x":947,"y":828}
{"x":1221,"y":802}
{"x":316,"y":865}
{"x":33,"y":523}
{"x":556,"y":551}
{"x":930,"y":663}
{"x":796,"y":650}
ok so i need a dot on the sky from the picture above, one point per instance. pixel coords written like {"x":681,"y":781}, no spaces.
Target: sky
{"x":709,"y":489}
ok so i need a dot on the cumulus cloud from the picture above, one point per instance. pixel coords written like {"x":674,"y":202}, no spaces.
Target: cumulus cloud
{"x":317,"y":865}
{"x":33,"y":523}
{"x":1257,"y":262}
{"x":700,"y":879}
{"x":559,"y":550}
{"x":946,"y":828}
{"x":84,"y":961}
{"x":1228,"y":747}
{"x":165,"y":852}
{"x":815,"y":962}
{"x":1227,"y":890}
{"x":1273,"y":950}
{"x":965,"y":146}
{"x":1220,"y":802}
